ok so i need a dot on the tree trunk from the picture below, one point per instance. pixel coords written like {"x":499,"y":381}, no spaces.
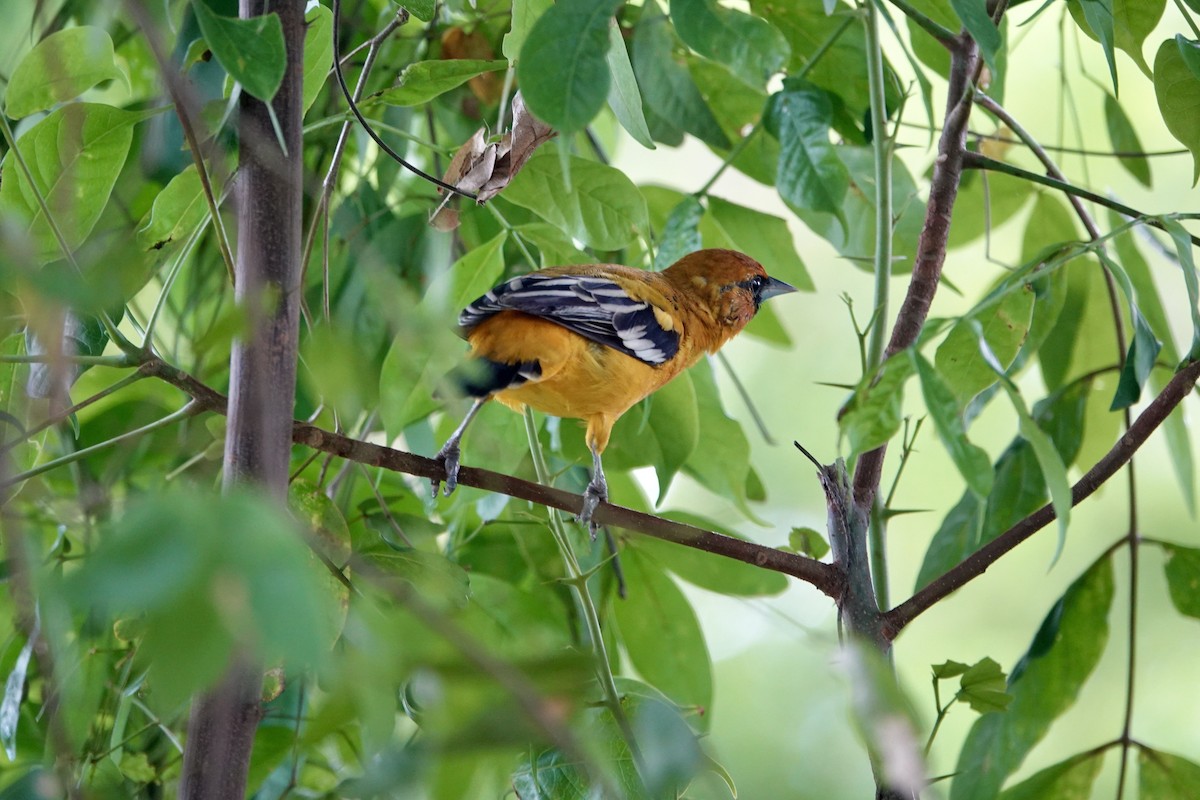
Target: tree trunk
{"x":262,"y":383}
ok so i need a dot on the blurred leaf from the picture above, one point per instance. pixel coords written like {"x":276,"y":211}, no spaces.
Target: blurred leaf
{"x":1124,"y":138}
{"x":1048,"y":227}
{"x":873,"y":414}
{"x":739,"y":110}
{"x":208,"y":573}
{"x":750,"y":46}
{"x":337,"y":372}
{"x":61,"y":67}
{"x":421,"y":82}
{"x":669,"y":94}
{"x":36,"y":784}
{"x":681,"y":234}
{"x":480,"y":269}
{"x":706,"y":570}
{"x":421,"y":9}
{"x":1067,"y":780}
{"x":1044,"y":684}
{"x":949,"y":669}
{"x":1132,"y":22}
{"x":972,"y":461}
{"x":176,"y":212}
{"x":555,"y":247}
{"x":982,"y":687}
{"x":763,"y":237}
{"x":662,"y":635}
{"x":809,"y":542}
{"x":1004,"y":321}
{"x":1163,"y":776}
{"x":1099,"y":17}
{"x":433,"y":576}
{"x":524,"y":14}
{"x":318,"y":52}
{"x":854,"y":234}
{"x":251,"y":50}
{"x":1183,"y":579}
{"x":75,"y":155}
{"x":1178,"y":93}
{"x":624,"y":97}
{"x":810,"y":175}
{"x":607,"y":212}
{"x":563,"y":69}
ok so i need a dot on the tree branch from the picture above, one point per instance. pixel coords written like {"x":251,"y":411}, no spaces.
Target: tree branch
{"x":821,"y":575}
{"x":931,"y":247}
{"x":977,"y":563}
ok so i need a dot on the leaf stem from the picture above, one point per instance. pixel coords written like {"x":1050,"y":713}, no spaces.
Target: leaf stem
{"x":578,"y":582}
{"x":190,"y":408}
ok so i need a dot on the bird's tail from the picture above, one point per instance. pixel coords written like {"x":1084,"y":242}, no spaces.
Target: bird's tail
{"x":481,"y":377}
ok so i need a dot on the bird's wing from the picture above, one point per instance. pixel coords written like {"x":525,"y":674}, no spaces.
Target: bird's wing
{"x":596,"y":308}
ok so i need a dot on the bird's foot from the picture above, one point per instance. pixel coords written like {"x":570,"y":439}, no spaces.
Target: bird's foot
{"x":595,"y":494}
{"x":448,"y":457}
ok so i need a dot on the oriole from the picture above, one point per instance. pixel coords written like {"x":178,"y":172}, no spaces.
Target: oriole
{"x":590,"y":341}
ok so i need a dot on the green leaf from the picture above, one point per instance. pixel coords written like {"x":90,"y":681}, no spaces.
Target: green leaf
{"x":563,"y":70}
{"x":1183,"y":248}
{"x":982,"y":687}
{"x":1054,"y":471}
{"x":601,"y":207}
{"x":1125,"y":139}
{"x":1044,"y":684}
{"x":1005,"y":322}
{"x":318,"y":52}
{"x":1067,"y":780}
{"x":721,"y":461}
{"x":662,"y":635}
{"x":715,"y":573}
{"x":553,"y":245}
{"x":471,"y":276}
{"x":434,"y":577}
{"x":1144,"y":347}
{"x":75,"y":155}
{"x":680,"y":235}
{"x":61,"y":67}
{"x":983,"y":200}
{"x":1183,"y":579}
{"x":670,"y":98}
{"x":1099,"y":16}
{"x":1190,"y":50}
{"x":624,"y":98}
{"x":421,"y":9}
{"x":750,"y":46}
{"x":666,"y":437}
{"x":1018,"y":488}
{"x":853,"y":233}
{"x":809,"y":542}
{"x":949,"y":669}
{"x":1178,"y":92}
{"x":524,"y":14}
{"x":972,"y":461}
{"x":175,"y":213}
{"x":764,"y":237}
{"x":421,"y":82}
{"x":978,"y":22}
{"x":810,"y":175}
{"x":873,"y":415}
{"x":1163,"y":776}
{"x":251,"y":50}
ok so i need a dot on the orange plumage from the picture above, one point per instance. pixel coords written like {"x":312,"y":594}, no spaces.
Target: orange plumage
{"x":590,"y":341}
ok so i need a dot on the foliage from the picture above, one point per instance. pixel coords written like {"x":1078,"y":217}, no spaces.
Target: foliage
{"x":476,"y":645}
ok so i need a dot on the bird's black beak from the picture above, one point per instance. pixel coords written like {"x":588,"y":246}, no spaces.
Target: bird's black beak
{"x":774,"y":287}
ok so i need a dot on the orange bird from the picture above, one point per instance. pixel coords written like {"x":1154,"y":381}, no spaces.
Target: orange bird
{"x":590,"y":341}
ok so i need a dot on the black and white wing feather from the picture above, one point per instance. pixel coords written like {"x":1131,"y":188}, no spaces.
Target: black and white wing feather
{"x":596,"y":308}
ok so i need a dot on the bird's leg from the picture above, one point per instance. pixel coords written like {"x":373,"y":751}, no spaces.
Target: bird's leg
{"x":450,"y":451}
{"x":595,"y":494}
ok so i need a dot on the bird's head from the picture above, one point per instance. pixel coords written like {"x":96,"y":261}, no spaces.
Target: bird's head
{"x":729,"y":284}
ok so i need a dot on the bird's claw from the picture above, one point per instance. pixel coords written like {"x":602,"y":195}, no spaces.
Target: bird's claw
{"x":448,"y":457}
{"x":595,"y":494}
